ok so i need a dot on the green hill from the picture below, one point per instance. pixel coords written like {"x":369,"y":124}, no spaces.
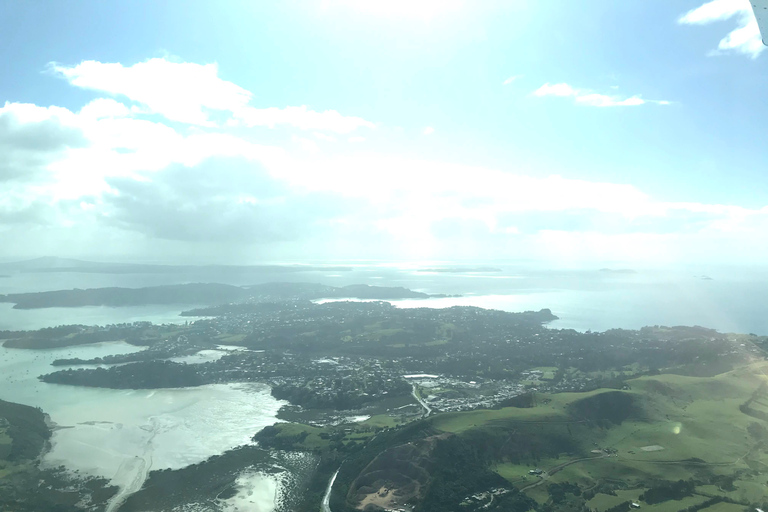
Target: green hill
{"x":661,"y":431}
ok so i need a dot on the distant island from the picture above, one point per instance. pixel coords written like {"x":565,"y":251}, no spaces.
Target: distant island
{"x":458,"y":270}
{"x":49,"y":264}
{"x":170,"y":294}
{"x":205,"y":294}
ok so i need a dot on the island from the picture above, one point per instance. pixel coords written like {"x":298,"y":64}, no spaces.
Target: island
{"x":70,"y":265}
{"x":205,"y":294}
{"x":460,"y":270}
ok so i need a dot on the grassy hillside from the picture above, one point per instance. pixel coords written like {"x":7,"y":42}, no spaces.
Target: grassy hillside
{"x":605,"y":448}
{"x":548,"y":409}
{"x":663,"y":428}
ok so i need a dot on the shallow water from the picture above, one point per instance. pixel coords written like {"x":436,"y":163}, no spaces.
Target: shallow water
{"x":31,"y":319}
{"x":257,"y":492}
{"x":123,"y":434}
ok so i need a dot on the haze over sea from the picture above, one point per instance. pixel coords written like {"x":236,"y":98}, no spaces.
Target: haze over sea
{"x":722,"y":298}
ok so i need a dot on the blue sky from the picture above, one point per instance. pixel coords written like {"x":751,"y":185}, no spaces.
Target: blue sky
{"x":341,"y":129}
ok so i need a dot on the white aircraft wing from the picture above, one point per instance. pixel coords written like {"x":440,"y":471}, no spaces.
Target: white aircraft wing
{"x":761,"y":13}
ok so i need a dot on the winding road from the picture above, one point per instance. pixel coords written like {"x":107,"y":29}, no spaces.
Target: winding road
{"x":326,"y":505}
{"x":427,"y":409}
{"x":545,"y":475}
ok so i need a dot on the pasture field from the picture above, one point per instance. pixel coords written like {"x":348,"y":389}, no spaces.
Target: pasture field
{"x":679,"y":428}
{"x":724,"y":507}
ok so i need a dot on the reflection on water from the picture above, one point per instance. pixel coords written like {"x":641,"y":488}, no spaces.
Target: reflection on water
{"x":203,"y":356}
{"x":728,"y":299}
{"x":631,"y":303}
{"x":257,"y":492}
{"x":122,"y":434}
{"x":31,"y":319}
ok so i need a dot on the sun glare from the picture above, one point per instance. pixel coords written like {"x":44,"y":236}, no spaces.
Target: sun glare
{"x":414,"y":9}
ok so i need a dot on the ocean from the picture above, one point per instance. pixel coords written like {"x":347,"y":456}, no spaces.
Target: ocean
{"x":727,"y":299}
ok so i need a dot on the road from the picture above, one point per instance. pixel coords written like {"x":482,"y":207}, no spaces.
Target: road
{"x":326,"y":505}
{"x":545,"y":475}
{"x":427,"y":409}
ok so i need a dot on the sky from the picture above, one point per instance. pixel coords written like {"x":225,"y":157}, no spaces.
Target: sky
{"x":572,"y":133}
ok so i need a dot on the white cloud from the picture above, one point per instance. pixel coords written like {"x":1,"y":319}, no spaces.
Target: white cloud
{"x":180,"y":91}
{"x":104,"y":107}
{"x":306,"y":144}
{"x":104,"y":172}
{"x":428,"y":130}
{"x":555,"y":90}
{"x":302,"y":118}
{"x":193,"y":94}
{"x":325,"y":137}
{"x":744,"y":39}
{"x":714,"y":11}
{"x":603,"y":100}
{"x":511,"y":79}
{"x":592,"y":99}
{"x":22,"y":114}
{"x":419,"y":9}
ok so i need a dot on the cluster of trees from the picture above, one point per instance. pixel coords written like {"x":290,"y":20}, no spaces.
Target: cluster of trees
{"x":668,"y":491}
{"x":606,"y":409}
{"x":747,"y":408}
{"x":269,"y":437}
{"x":27,"y":429}
{"x":340,"y":394}
{"x":621,"y":507}
{"x":145,"y":375}
{"x":708,"y":503}
{"x":460,"y":469}
{"x":558,"y":491}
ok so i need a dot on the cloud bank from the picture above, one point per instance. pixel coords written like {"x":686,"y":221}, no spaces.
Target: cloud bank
{"x":143,"y":172}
